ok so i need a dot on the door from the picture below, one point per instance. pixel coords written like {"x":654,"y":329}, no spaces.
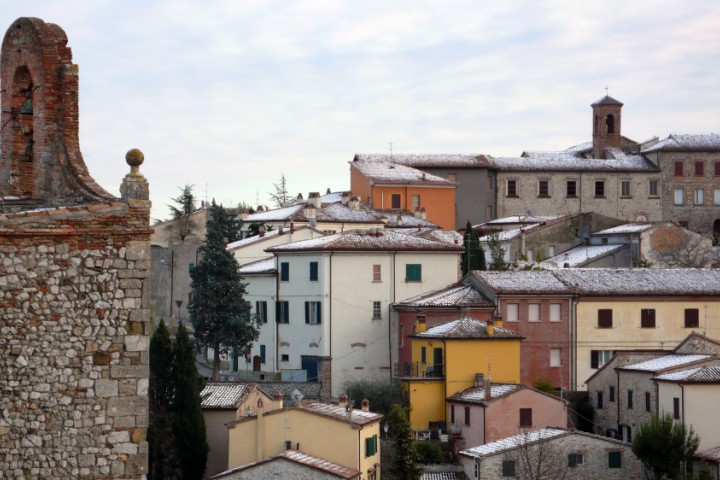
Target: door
{"x":437,"y":362}
{"x":309,"y":363}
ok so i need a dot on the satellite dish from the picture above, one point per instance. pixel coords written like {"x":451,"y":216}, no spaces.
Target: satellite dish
{"x":296,"y":396}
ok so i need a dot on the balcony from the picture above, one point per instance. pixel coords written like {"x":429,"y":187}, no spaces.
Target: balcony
{"x":418,"y":370}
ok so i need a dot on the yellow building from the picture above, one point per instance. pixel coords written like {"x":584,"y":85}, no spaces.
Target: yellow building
{"x":446,"y":360}
{"x":337,"y":433}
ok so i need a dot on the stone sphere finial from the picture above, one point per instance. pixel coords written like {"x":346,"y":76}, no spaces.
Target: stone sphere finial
{"x":134,"y":157}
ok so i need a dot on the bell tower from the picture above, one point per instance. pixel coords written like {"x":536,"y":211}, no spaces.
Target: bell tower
{"x":606,"y":125}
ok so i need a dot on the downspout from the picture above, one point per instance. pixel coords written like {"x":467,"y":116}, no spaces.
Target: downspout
{"x":573,"y":344}
{"x":484,"y":425}
{"x":617,"y":403}
{"x":277,"y":305}
{"x":682,"y":413}
{"x":392,"y":274}
{"x":330,"y":315}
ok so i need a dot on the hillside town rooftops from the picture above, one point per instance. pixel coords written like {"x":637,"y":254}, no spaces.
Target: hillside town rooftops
{"x":443,"y":471}
{"x":467,"y":328}
{"x":446,"y":236}
{"x":358,"y":240}
{"x":388,"y":173}
{"x":477,"y":394}
{"x":705,"y":374}
{"x":301,"y":458}
{"x":665,"y":362}
{"x":568,"y":162}
{"x":338,"y":412}
{"x":522,"y":282}
{"x":626,"y":228}
{"x":432,"y":160}
{"x":687,"y":142}
{"x":456,"y":296}
{"x":225,"y":396}
{"x":266,"y":265}
{"x":515,"y":441}
{"x":580,"y":255}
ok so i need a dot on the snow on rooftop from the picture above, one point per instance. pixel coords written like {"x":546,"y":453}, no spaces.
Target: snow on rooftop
{"x":542,"y":281}
{"x":665,"y":362}
{"x":332,"y":197}
{"x":580,"y":255}
{"x":521,"y":219}
{"x":276,"y":215}
{"x":477,"y":394}
{"x":420,"y":160}
{"x":706,"y":374}
{"x":403,"y":219}
{"x":505,"y":235}
{"x":446,"y":236}
{"x":392,"y":173}
{"x":710,"y":454}
{"x":583,"y":147}
{"x":338,"y":412}
{"x":362,"y":240}
{"x":509,"y":443}
{"x":466,"y":327}
{"x":626,"y":228}
{"x":266,"y":265}
{"x":251,"y":240}
{"x":683,"y":142}
{"x":337,"y":212}
{"x":455,"y":296}
{"x":224,"y":395}
{"x":567,"y":162}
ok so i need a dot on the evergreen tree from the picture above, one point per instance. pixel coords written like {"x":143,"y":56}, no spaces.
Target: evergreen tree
{"x":474,"y":256}
{"x":162,"y":456}
{"x":218,"y":310}
{"x":281,"y":196}
{"x":665,"y":447}
{"x":406,"y":465}
{"x":186,"y":204}
{"x":497,"y":253}
{"x":188,"y":420}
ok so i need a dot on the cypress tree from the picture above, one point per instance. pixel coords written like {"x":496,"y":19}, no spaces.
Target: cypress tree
{"x":188,"y":421}
{"x":406,"y":457}
{"x":162,"y":457}
{"x":473,"y":258}
{"x":218,"y":310}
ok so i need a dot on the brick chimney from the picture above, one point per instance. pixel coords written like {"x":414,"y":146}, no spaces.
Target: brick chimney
{"x":355,"y":203}
{"x":420,"y":324}
{"x":345,"y":199}
{"x":490,"y":327}
{"x":365,"y":405}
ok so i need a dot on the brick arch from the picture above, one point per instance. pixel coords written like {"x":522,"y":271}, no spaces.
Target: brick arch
{"x":58,"y":172}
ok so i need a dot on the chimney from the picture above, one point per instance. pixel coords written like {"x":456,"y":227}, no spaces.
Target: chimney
{"x":345,"y":199}
{"x":348,"y":411}
{"x":281,"y":230}
{"x":487,"y":386}
{"x":355,"y":203}
{"x":342,"y":400}
{"x":479,"y":380}
{"x":260,"y":431}
{"x":417,"y":213}
{"x":243,"y":214}
{"x":261,"y":232}
{"x":423,"y":213}
{"x":498,"y":321}
{"x":299,"y":197}
{"x":399,"y":220}
{"x":365,"y":404}
{"x":278,"y":397}
{"x":292,"y":227}
{"x":490,"y":327}
{"x":566,"y":261}
{"x":314,"y":199}
{"x":420,"y":324}
{"x":310,"y":212}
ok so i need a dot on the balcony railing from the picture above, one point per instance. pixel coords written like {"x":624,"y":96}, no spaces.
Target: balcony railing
{"x":419,"y":370}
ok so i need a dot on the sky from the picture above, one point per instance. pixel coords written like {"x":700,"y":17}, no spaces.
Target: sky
{"x":228,"y":96}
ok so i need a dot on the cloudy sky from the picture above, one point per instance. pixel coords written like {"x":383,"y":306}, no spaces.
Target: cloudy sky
{"x":230,"y":95}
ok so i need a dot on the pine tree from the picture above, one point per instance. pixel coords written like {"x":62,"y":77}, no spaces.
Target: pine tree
{"x":162,"y":456}
{"x":474,"y":256}
{"x":186,"y":204}
{"x":218,"y":310}
{"x":188,"y":420}
{"x":665,"y":447}
{"x":406,"y":457}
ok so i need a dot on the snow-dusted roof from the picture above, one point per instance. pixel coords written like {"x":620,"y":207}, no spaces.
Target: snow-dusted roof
{"x":524,"y":219}
{"x":358,"y":240}
{"x":706,"y":374}
{"x":568,"y":162}
{"x":393,"y":173}
{"x":626,"y":228}
{"x":580,"y":255}
{"x":224,"y":396}
{"x":687,"y":142}
{"x":332,"y":197}
{"x":583,"y":147}
{"x":337,"y":212}
{"x":301,"y":458}
{"x":458,"y":296}
{"x":505,"y":235}
{"x":665,"y":362}
{"x":276,"y":215}
{"x":605,"y":281}
{"x":467,"y":328}
{"x":477,"y":394}
{"x":266,"y":265}
{"x":443,"y":471}
{"x":339,"y":413}
{"x":447,"y":236}
{"x":431,"y":160}
{"x":515,"y":441}
{"x":252,"y":240}
{"x":403,"y":219}
{"x":710,"y":454}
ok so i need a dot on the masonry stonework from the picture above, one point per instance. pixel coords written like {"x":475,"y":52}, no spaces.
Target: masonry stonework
{"x":74,"y":261}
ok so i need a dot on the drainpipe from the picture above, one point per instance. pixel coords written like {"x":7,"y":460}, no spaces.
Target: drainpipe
{"x":682,"y":414}
{"x":277,"y":324}
{"x":617,"y":398}
{"x":330,"y":314}
{"x":573,"y":343}
{"x":392,"y":276}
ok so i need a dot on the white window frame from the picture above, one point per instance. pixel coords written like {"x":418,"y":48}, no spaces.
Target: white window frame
{"x":555,"y":312}
{"x":624,"y":188}
{"x":533,"y":312}
{"x":314,"y":313}
{"x":513,"y":312}
{"x":679,"y":196}
{"x":699,"y":196}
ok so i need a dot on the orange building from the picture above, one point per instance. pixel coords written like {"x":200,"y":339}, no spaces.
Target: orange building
{"x":388,"y":186}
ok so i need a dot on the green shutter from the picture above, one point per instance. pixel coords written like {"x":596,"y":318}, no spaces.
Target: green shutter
{"x":413,"y":272}
{"x":370,"y":446}
{"x":508,"y":468}
{"x":614,"y":459}
{"x":572,"y":460}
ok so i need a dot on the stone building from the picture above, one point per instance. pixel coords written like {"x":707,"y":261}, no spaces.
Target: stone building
{"x":73,"y":266}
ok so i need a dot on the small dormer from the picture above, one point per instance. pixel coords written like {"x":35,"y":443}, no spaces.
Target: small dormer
{"x":606,"y":125}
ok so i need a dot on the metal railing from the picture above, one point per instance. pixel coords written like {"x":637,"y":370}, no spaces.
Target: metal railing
{"x":419,"y":370}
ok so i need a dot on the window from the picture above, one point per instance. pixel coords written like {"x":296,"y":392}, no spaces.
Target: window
{"x":261,"y":311}
{"x":630,"y":399}
{"x":699,"y":196}
{"x":599,"y":400}
{"x":452,"y":414}
{"x":313,"y":271}
{"x":262,"y":353}
{"x":371,"y":446}
{"x":653,"y":188}
{"x":611,"y":396}
{"x":423,"y":355}
{"x":526,"y":417}
{"x":605,"y":318}
{"x":647,"y":401}
{"x":413,"y":272}
{"x":533,"y":312}
{"x":313,"y":313}
{"x":647,"y":318}
{"x":598,"y":358}
{"x":415,"y":203}
{"x":395,"y":200}
{"x":543,"y":188}
{"x":554,"y":312}
{"x":511,"y":188}
{"x":282,"y":311}
{"x":600,"y":189}
{"x":625,"y":188}
{"x":555,"y":357}
{"x":716,"y":199}
{"x":679,"y":169}
{"x":679,"y":196}
{"x":508,"y":468}
{"x":284,"y":357}
{"x":676,"y":408}
{"x":571,"y":189}
{"x":467,"y":416}
{"x":377,"y":273}
{"x":284,"y":272}
{"x":614,"y":459}
{"x":575,"y":459}
{"x":692,"y":318}
{"x":699,"y":169}
{"x":377,"y":312}
{"x":512,"y":312}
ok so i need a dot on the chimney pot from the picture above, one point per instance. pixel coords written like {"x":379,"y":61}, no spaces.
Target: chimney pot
{"x":487,"y":386}
{"x":342,"y":400}
{"x":261,"y":232}
{"x":365,"y":404}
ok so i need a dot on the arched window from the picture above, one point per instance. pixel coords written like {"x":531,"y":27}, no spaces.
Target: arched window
{"x":610,"y":123}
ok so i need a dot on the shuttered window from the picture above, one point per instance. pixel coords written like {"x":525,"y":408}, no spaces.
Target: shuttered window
{"x":605,"y":318}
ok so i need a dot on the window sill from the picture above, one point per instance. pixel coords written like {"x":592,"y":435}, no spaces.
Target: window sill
{"x":628,"y":197}
{"x":599,"y":196}
{"x":412,"y":281}
{"x":376,"y":318}
{"x":512,"y":196}
{"x":543,"y":196}
{"x":604,"y":328}
{"x":571,"y":196}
